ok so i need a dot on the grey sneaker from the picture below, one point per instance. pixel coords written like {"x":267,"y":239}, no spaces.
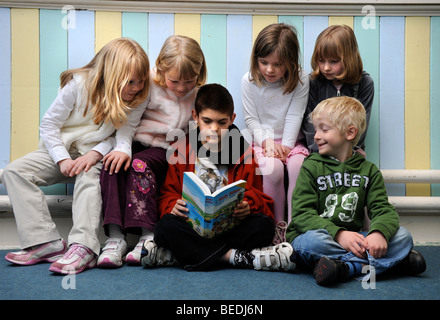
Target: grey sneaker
{"x":274,"y":257}
{"x":154,"y":256}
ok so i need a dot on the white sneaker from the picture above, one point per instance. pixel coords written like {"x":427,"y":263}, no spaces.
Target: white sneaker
{"x":134,"y":256}
{"x":112,"y":253}
{"x":154,"y":256}
{"x":274,"y":257}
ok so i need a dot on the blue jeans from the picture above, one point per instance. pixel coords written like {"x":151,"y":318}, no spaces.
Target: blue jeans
{"x":311,"y":246}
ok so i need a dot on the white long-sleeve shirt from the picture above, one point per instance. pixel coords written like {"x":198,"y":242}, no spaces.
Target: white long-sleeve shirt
{"x":268,"y":113}
{"x":64,"y":126}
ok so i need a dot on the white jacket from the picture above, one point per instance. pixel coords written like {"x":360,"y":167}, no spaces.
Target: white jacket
{"x":64,"y":126}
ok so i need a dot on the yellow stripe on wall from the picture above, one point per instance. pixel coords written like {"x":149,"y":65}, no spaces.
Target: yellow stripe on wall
{"x":25,"y":95}
{"x":417,"y":127}
{"x":259,"y":22}
{"x":107,"y":27}
{"x":187,"y":25}
{"x":333,"y":20}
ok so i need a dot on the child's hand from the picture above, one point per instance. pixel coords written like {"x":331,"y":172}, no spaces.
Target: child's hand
{"x":70,"y":168}
{"x":284,"y":152}
{"x":115,"y":160}
{"x":180,"y":209}
{"x":353,"y":242}
{"x":376,"y":244}
{"x":269,"y":148}
{"x":242,"y":210}
{"x":65,"y":166}
{"x":272,"y":149}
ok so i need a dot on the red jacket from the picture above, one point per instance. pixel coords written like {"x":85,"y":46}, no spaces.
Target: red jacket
{"x":246,"y":168}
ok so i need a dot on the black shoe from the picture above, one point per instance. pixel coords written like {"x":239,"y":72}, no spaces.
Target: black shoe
{"x":329,"y":271}
{"x":412,"y":264}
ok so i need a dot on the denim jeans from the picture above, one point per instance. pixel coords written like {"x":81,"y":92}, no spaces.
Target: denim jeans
{"x":309,"y":247}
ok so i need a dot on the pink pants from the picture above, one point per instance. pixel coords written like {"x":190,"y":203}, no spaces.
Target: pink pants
{"x":276,"y":173}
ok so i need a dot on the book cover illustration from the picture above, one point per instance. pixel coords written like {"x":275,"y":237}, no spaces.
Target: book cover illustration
{"x":211,"y":214}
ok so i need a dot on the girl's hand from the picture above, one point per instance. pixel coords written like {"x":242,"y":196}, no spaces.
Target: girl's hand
{"x":353,"y":242}
{"x":284,"y":151}
{"x":70,"y":168}
{"x":65,"y":166}
{"x":269,"y":148}
{"x":180,"y":209}
{"x":242,"y":210}
{"x":275,"y":150}
{"x":115,"y":160}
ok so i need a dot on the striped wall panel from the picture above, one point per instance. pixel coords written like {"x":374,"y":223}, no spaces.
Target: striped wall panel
{"x":401,"y":54}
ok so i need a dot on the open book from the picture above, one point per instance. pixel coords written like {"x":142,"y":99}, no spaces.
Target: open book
{"x":211,"y":214}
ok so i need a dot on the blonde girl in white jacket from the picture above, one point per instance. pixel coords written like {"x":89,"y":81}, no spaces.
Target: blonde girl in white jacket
{"x":96,"y":110}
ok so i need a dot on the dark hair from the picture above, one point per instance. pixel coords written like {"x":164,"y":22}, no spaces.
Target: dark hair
{"x":216,"y":97}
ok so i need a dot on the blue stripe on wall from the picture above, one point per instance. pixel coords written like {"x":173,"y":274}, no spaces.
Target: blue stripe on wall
{"x":213,"y":43}
{"x":392,"y":97}
{"x":313,"y":26}
{"x":298,"y":23}
{"x":368,"y":42}
{"x":239,"y":48}
{"x":161,"y":26}
{"x":435,"y":99}
{"x":81,"y":39}
{"x":135,"y":26}
{"x":53,"y":56}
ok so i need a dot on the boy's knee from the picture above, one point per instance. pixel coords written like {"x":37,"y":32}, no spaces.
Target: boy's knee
{"x":312,"y":239}
{"x":403,"y":236}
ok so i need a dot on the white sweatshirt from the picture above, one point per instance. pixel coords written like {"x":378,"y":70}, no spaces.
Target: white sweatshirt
{"x":268,"y":113}
{"x":166,"y":114}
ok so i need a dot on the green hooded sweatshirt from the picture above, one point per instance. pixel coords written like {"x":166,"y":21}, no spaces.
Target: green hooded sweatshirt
{"x":332,"y":195}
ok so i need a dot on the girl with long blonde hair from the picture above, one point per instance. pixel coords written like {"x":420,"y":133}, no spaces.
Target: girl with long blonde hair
{"x":96,"y":110}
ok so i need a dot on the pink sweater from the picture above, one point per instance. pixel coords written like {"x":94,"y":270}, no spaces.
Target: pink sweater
{"x":166,"y":114}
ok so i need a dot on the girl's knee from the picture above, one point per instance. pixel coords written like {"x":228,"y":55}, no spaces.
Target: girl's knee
{"x":273,"y":171}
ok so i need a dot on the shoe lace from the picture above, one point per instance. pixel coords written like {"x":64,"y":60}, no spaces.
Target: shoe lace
{"x":280,"y":232}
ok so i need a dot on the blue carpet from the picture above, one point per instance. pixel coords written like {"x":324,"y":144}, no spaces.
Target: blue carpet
{"x":137,"y":283}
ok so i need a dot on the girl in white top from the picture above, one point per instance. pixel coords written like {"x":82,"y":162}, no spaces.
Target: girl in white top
{"x":274,"y":94}
{"x":130,"y":195}
{"x":96,"y":110}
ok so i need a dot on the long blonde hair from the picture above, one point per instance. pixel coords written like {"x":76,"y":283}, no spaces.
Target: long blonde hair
{"x":281,"y":39}
{"x":184,"y":55}
{"x":338,"y":42}
{"x":106,"y":76}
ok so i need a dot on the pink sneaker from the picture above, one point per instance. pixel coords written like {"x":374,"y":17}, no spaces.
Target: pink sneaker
{"x":46,"y":252}
{"x":75,"y":260}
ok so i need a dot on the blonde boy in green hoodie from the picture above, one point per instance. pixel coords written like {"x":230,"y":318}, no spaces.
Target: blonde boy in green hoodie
{"x":333,"y":188}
